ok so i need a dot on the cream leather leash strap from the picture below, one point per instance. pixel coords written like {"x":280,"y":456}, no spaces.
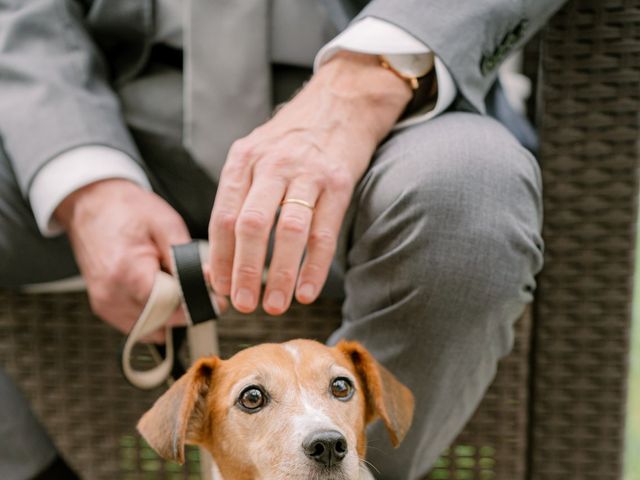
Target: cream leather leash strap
{"x":188,"y":288}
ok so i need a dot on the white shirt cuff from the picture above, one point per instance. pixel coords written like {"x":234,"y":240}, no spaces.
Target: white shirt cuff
{"x":73,"y":170}
{"x":374,"y":36}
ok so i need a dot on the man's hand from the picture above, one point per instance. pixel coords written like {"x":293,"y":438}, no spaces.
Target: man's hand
{"x":315,"y":149}
{"x":121,"y":237}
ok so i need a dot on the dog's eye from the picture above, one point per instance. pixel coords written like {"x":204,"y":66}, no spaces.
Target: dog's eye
{"x":252,"y":399}
{"x":342,"y":388}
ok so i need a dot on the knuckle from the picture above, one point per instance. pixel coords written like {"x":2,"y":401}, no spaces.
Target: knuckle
{"x":273,"y":166}
{"x":252,"y":223}
{"x":279,"y":160}
{"x":293,"y":224}
{"x":173,"y":224}
{"x":249,"y":272}
{"x":241,"y":149}
{"x":223,"y":221}
{"x":284,"y":277}
{"x":99,"y":300}
{"x":141,"y":283}
{"x":323,"y":238}
{"x":313,"y":269}
{"x":221,"y":265}
{"x":339,"y":179}
{"x":122,"y":272}
{"x":233,"y":169}
{"x":116,"y":270}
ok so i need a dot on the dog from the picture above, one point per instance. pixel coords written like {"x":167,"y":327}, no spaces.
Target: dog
{"x":296,"y":410}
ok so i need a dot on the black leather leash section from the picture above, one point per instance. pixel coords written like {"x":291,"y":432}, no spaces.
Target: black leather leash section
{"x":179,"y":335}
{"x":192,"y":282}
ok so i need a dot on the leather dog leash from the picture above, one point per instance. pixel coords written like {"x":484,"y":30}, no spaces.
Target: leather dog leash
{"x":189,"y":289}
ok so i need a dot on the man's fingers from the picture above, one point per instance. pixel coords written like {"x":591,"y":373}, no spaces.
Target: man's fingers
{"x":140,"y":278}
{"x":139,"y":286}
{"x":291,"y":237}
{"x":219,"y":300}
{"x":252,"y":236}
{"x":232,"y":191}
{"x":121,"y":295}
{"x":167,"y":231}
{"x":321,"y":245}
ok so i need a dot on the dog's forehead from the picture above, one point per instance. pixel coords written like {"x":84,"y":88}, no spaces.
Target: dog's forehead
{"x":312,"y":353}
{"x":292,"y":356}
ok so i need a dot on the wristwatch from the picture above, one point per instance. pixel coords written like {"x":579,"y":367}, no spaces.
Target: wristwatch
{"x":417,"y":70}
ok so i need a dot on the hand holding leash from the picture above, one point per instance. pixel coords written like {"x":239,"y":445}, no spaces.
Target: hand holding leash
{"x":188,"y":288}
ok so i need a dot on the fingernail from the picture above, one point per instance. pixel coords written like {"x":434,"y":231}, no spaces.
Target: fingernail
{"x":306,"y":290}
{"x":244,"y":298}
{"x":276,"y":300}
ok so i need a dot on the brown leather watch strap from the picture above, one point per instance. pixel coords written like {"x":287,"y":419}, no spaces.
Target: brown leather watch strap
{"x":427,"y":88}
{"x":423,"y":87}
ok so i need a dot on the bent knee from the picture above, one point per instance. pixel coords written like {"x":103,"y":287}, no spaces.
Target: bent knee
{"x":459,"y":168}
{"x":462,"y":200}
{"x":461,"y":161}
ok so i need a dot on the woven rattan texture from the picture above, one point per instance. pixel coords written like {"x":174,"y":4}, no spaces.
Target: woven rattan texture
{"x":66,"y":362}
{"x":590,"y":133}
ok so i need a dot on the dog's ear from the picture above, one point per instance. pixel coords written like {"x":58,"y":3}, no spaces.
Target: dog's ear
{"x":178,"y":416}
{"x":386,"y":397}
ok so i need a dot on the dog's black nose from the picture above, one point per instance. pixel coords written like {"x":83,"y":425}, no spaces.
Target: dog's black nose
{"x":327,"y":447}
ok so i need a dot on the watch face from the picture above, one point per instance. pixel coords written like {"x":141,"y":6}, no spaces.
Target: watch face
{"x":412,"y":65}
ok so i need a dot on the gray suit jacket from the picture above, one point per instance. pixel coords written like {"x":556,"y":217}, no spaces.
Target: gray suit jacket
{"x":59,"y":61}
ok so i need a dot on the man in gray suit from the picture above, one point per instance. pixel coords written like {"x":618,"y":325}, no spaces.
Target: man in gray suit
{"x":121,"y":120}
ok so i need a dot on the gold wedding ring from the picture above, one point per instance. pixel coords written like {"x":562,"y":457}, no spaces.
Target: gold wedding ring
{"x":297,"y":201}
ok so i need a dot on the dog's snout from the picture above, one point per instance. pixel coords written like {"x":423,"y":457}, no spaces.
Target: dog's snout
{"x":327,"y":447}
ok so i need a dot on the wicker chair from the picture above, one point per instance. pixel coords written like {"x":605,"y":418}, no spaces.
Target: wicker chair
{"x":556,"y":408}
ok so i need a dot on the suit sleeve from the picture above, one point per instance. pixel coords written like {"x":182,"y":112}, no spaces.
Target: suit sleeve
{"x":377,"y":37}
{"x":471,"y":37}
{"x":54,"y":89}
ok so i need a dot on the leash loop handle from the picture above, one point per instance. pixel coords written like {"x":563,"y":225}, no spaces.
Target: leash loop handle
{"x":164,"y":299}
{"x":189,"y":289}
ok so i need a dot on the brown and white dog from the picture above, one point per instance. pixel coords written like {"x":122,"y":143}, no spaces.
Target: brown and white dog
{"x":296,"y":410}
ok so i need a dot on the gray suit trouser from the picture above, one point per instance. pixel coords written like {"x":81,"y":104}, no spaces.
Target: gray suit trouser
{"x":439,"y":252}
